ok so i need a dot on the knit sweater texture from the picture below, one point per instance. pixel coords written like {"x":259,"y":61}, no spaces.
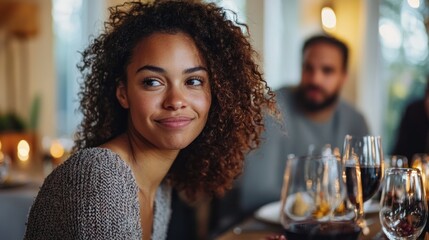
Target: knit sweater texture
{"x":94,"y":195}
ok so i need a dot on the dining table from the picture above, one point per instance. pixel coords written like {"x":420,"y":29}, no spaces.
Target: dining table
{"x":253,"y":228}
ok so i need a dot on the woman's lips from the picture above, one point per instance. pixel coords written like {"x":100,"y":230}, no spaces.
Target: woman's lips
{"x":174,"y":122}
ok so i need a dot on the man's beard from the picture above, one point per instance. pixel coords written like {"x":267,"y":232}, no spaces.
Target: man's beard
{"x":312,"y":106}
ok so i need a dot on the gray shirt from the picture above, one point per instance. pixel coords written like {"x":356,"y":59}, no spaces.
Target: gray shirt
{"x":262,"y":179}
{"x":93,"y":195}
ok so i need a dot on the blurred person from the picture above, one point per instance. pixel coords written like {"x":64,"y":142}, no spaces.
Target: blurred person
{"x":315,"y":117}
{"x":161,"y":110}
{"x":413,"y":130}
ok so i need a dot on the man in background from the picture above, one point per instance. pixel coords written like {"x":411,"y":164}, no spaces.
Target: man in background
{"x":314,"y":116}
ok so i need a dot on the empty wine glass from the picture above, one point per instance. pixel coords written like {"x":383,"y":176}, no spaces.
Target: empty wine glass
{"x":390,"y":161}
{"x":313,"y":189}
{"x":403,"y":204}
{"x":396,"y":161}
{"x":421,"y":162}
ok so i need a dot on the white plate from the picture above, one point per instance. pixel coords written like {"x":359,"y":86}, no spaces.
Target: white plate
{"x":269,"y":212}
{"x":371,"y":207}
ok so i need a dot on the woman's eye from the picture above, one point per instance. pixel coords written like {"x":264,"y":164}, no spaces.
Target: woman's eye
{"x":151,"y":82}
{"x":194,"y":82}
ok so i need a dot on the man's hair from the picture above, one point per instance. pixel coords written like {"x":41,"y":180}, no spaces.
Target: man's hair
{"x":331,"y":41}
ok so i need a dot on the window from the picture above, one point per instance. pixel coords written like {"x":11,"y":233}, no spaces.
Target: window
{"x":75,"y":21}
{"x":404,"y":48}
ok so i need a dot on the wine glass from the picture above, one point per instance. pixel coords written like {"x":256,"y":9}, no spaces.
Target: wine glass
{"x":391,"y":161}
{"x":395,"y":161}
{"x":363,"y":160}
{"x":421,"y":162}
{"x":366,"y":154}
{"x":313,"y":189}
{"x":4,"y":167}
{"x":323,"y":150}
{"x":403,"y":204}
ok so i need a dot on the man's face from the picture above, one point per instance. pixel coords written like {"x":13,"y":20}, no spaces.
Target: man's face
{"x":322,"y":77}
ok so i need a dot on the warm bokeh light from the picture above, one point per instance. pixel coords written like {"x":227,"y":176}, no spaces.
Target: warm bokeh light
{"x":423,"y":167}
{"x":414,"y":3}
{"x":329,"y":20}
{"x":23,"y":150}
{"x":56,"y":150}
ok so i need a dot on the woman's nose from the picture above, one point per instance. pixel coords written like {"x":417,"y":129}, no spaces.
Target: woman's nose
{"x":175,"y":99}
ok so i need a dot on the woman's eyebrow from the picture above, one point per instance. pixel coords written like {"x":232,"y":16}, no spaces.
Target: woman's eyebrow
{"x":151,"y":68}
{"x":195,"y":69}
{"x":161,"y":70}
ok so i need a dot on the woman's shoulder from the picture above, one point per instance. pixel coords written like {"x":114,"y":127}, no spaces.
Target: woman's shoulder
{"x":77,"y":197}
{"x":93,"y":166}
{"x":95,"y":158}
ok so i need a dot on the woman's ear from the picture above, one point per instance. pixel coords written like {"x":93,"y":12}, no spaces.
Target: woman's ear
{"x":121,"y":95}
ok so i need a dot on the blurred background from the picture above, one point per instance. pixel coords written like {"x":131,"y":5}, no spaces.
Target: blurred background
{"x":40,"y":41}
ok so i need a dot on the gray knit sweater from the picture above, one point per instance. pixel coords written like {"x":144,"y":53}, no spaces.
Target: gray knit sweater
{"x":93,"y":195}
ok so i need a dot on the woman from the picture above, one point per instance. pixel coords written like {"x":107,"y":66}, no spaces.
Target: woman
{"x":171,"y":98}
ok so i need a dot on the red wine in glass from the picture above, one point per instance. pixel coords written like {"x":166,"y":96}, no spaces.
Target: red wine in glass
{"x":370,"y":177}
{"x":310,"y":230}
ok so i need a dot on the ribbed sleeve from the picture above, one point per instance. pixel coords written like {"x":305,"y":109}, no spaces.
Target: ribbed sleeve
{"x":93,"y":195}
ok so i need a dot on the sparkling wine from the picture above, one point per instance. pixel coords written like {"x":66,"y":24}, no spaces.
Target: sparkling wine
{"x":322,"y":231}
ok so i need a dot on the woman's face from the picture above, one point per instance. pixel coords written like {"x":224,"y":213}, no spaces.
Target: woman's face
{"x":167,"y":91}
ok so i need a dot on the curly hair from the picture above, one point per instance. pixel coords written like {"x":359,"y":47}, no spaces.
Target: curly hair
{"x":240,"y":95}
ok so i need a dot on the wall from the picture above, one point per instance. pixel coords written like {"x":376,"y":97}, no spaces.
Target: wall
{"x":33,"y":72}
{"x":371,"y":94}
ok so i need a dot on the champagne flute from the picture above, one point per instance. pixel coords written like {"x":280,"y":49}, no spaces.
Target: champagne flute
{"x":403,"y":204}
{"x":313,"y":189}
